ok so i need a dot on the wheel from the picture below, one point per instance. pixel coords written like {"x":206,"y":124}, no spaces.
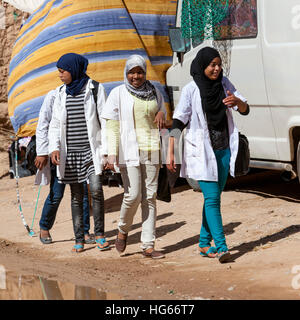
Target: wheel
{"x":193,"y":184}
{"x":298,"y":161}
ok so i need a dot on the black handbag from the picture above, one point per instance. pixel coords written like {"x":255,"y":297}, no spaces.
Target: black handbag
{"x":243,"y":157}
{"x":163,"y":188}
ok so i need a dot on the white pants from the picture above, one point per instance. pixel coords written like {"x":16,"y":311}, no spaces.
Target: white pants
{"x":140,"y":186}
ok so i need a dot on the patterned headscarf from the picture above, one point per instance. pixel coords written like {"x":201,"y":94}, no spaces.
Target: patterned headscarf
{"x":76,"y":65}
{"x":146,"y":91}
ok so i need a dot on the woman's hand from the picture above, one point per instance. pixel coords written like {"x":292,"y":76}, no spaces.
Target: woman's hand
{"x":231,"y":100}
{"x":171,"y":165}
{"x":160,"y":120}
{"x":55,"y":157}
{"x":111,"y":161}
{"x":41,"y":161}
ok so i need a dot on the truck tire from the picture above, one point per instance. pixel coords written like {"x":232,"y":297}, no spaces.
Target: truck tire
{"x":298,"y":161}
{"x":193,"y":184}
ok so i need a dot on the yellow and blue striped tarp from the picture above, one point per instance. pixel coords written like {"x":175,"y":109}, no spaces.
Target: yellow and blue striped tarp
{"x":106,"y":32}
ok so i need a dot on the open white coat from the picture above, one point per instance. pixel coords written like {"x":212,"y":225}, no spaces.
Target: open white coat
{"x":198,"y":160}
{"x":119,"y":106}
{"x":58,"y":124}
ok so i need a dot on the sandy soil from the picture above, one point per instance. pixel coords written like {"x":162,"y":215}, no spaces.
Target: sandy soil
{"x":261,"y":221}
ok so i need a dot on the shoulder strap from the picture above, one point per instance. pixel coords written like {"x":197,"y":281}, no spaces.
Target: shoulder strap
{"x":95,"y":90}
{"x":95,"y":95}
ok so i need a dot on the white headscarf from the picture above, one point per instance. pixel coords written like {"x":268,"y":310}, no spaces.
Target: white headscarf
{"x":146,"y":91}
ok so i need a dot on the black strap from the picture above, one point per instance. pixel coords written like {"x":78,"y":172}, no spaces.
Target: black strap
{"x":95,"y":95}
{"x":95,"y":90}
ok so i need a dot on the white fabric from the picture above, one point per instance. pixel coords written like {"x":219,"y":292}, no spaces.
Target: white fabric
{"x":119,"y":106}
{"x":140,"y":186}
{"x":43,"y":176}
{"x":199,"y":161}
{"x":57,"y":129}
{"x":26,"y":5}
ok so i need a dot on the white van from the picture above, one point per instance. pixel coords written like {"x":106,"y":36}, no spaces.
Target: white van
{"x":263,"y":58}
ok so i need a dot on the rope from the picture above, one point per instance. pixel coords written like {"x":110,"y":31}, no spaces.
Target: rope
{"x":30,"y":231}
{"x":36,"y":203}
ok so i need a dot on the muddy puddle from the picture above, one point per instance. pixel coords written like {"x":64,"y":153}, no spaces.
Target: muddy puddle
{"x":14,"y":286}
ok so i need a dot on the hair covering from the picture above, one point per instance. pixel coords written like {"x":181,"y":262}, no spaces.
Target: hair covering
{"x":76,"y":65}
{"x":146,"y":91}
{"x":211,"y":91}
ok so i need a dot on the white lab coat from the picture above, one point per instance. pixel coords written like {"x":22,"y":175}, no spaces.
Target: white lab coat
{"x":43,"y":176}
{"x":119,"y":106}
{"x":57,"y":129}
{"x":198,"y":159}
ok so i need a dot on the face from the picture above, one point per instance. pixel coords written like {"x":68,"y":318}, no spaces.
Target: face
{"x":65,"y":76}
{"x":136,"y":76}
{"x":213,"y":70}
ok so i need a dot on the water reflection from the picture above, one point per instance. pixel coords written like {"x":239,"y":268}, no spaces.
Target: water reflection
{"x":27,"y":287}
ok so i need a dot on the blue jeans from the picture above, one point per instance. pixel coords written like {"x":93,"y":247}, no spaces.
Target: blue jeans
{"x":212,"y":226}
{"x":53,"y":200}
{"x":77,"y":192}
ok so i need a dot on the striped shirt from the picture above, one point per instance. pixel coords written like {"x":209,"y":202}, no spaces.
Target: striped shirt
{"x":79,"y":161}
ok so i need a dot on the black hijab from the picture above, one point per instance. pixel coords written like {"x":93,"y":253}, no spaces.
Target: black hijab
{"x":211,"y":91}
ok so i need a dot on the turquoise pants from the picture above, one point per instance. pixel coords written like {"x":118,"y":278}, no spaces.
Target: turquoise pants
{"x":212,"y":226}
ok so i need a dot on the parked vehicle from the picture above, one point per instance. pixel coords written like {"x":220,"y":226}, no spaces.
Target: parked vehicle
{"x":262,"y":57}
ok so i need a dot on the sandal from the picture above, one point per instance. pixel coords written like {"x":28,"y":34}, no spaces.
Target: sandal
{"x":211,"y":250}
{"x":77,"y":248}
{"x":223,"y":256}
{"x":101,"y":244}
{"x":89,"y":240}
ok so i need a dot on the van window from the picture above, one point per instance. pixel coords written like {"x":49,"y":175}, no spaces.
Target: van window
{"x":240,"y":22}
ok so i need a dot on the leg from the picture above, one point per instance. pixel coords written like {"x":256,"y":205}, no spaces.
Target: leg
{"x":97,"y":196}
{"x":77,"y":211}
{"x":86,"y":209}
{"x":212,"y":223}
{"x":149,"y":180}
{"x":211,"y":193}
{"x":131,"y":177}
{"x":51,"y":205}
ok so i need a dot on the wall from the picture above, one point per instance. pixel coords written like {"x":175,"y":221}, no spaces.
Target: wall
{"x":8,"y":35}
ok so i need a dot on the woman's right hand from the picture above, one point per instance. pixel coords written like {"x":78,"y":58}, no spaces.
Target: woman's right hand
{"x":171,"y":164}
{"x":111,"y":161}
{"x":55,"y":157}
{"x":41,"y":161}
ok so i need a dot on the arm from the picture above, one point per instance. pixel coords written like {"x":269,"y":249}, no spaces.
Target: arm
{"x":176,"y":130}
{"x":160,"y":117}
{"x":111,"y":133}
{"x":54,"y":130}
{"x":112,"y":137}
{"x":42,"y":131}
{"x":101,"y":99}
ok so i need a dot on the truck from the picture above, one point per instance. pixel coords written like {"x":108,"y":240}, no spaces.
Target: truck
{"x":261,"y":57}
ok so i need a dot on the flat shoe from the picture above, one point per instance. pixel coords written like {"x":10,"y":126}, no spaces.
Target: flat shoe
{"x":223,"y":256}
{"x":89,"y":240}
{"x":46,"y":240}
{"x":120,"y":244}
{"x":153,"y":254}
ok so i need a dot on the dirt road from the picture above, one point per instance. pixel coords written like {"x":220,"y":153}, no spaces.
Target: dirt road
{"x":261,"y":218}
